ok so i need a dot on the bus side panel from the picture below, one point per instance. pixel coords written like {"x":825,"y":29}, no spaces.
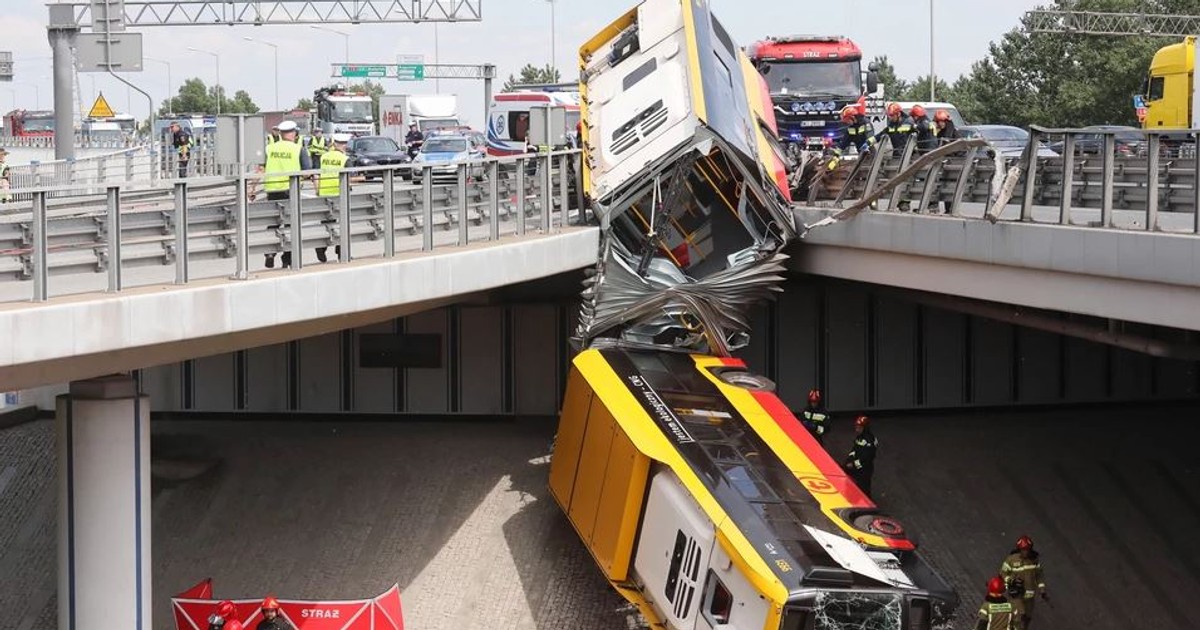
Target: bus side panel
{"x":569,"y":442}
{"x":598,"y":477}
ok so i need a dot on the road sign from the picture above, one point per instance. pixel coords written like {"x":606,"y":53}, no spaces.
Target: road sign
{"x":410,"y":72}
{"x":6,"y":66}
{"x":124,"y":52}
{"x":101,"y":109}
{"x":360,"y":71}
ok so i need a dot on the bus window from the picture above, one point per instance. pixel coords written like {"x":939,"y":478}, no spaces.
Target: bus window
{"x":718,"y":601}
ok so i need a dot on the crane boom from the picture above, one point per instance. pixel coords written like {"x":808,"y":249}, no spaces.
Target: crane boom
{"x":1098,"y":23}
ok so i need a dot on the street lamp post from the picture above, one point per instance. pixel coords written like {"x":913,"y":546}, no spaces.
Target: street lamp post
{"x":170,"y":94}
{"x":932,"y":74}
{"x":345,"y":36}
{"x":218,"y":61}
{"x":275,"y":52}
{"x":553,"y":37}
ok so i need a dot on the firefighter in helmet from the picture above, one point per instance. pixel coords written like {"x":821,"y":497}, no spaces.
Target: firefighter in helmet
{"x":1025,"y":564}
{"x":899,"y":128}
{"x":814,"y":416}
{"x":858,"y":135}
{"x":860,"y":461}
{"x":272,"y":620}
{"x":996,"y":613}
{"x":923,"y":129}
{"x":225,"y":618}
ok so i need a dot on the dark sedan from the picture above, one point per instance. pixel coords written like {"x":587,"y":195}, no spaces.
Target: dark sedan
{"x":1128,"y":141}
{"x":374,"y":151}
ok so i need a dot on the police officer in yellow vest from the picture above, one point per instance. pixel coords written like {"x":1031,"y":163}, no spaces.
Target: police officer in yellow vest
{"x":330,"y":182}
{"x":317,"y":145}
{"x":283,"y":156}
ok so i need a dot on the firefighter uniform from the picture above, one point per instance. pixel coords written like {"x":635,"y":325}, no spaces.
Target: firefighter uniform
{"x":997,"y":614}
{"x":860,"y":461}
{"x":926,"y":134}
{"x":813,"y":418}
{"x":898,"y":130}
{"x":858,"y":135}
{"x":1028,"y":569}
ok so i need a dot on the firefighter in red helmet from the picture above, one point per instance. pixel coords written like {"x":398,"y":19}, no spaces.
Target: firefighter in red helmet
{"x":924,"y":130}
{"x":996,"y":613}
{"x":815,"y":416}
{"x":1025,"y":563}
{"x":272,"y":620}
{"x":899,"y":128}
{"x":225,"y":618}
{"x":860,"y":461}
{"x":858,"y":134}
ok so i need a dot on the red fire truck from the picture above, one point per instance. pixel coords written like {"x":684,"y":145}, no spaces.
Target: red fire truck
{"x":811,"y":79}
{"x":21,"y":123}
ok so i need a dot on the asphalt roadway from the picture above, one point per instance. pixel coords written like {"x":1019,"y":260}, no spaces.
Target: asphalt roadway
{"x":457,"y":513}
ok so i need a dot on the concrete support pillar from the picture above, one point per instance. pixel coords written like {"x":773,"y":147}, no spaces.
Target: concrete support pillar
{"x":104,"y":506}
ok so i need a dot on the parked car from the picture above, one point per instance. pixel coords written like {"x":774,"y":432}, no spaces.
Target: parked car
{"x":441,"y":150}
{"x":1129,"y":141}
{"x":373,"y":151}
{"x":1008,"y":141}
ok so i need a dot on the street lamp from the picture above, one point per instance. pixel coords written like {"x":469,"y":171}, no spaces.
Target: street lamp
{"x":275,"y":51}
{"x":932,"y":74}
{"x":218,"y":60}
{"x":170,"y":94}
{"x":553,"y":46}
{"x":345,"y":36}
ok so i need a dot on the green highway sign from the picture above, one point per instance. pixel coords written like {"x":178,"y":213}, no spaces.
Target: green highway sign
{"x":360,"y":71}
{"x":410,"y":72}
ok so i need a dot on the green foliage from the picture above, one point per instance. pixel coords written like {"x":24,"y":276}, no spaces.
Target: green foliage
{"x":532,"y":74}
{"x":197,"y":98}
{"x":1055,"y":80}
{"x":893,"y":85}
{"x":305,"y":104}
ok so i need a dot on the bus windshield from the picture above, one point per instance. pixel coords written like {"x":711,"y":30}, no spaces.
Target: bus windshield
{"x":848,"y":611}
{"x":825,"y":78}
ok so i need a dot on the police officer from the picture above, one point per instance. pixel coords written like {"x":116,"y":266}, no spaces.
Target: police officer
{"x":283,"y":156}
{"x":271,"y":618}
{"x":814,"y":416}
{"x":996,"y":613}
{"x":860,"y":461}
{"x":1025,"y":563}
{"x":182,"y":142}
{"x":317,"y":144}
{"x":924,"y":130}
{"x":858,"y":135}
{"x":329,"y":184}
{"x":414,"y":139}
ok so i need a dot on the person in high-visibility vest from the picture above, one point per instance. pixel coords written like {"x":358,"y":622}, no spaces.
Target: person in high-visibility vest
{"x":329,"y":184}
{"x":283,"y":156}
{"x":317,"y":144}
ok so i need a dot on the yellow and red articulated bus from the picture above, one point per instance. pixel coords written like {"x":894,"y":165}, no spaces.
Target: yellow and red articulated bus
{"x":708,"y":505}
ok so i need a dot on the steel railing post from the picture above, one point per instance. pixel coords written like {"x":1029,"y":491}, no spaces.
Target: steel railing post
{"x":461,"y":192}
{"x":546,"y":163}
{"x":1031,"y":164}
{"x":344,"y":216}
{"x":113,"y":204}
{"x":964,"y":178}
{"x":295,"y":218}
{"x":564,"y":192}
{"x":1196,"y":185}
{"x":100,"y":168}
{"x":242,"y":238}
{"x":1068,"y":179}
{"x":181,"y":233}
{"x":427,"y":208}
{"x":1152,"y":149}
{"x":41,"y":249}
{"x":389,"y":213}
{"x":520,"y":196}
{"x":493,"y":200}
{"x":1106,"y":190}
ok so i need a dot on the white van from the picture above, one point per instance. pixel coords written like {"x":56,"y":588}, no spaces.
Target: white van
{"x":508,"y":118}
{"x":932,"y":108}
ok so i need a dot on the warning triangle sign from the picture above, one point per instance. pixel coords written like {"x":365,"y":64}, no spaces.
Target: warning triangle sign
{"x":100,"y":108}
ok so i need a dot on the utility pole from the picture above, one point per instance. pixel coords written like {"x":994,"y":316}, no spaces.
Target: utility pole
{"x":62,"y":32}
{"x":932,"y":73}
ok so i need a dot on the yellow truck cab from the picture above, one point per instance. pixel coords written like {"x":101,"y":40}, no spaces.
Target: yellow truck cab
{"x":1169,"y":87}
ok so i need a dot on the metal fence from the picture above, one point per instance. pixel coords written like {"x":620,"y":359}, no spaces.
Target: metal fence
{"x":1107,"y":178}
{"x":146,"y":163}
{"x":180,"y":230}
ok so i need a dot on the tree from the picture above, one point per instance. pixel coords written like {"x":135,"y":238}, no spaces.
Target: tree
{"x":918,"y":90}
{"x":1060,"y":79}
{"x":532,"y":74}
{"x":305,"y":104}
{"x":374,"y":90}
{"x":196,"y":98}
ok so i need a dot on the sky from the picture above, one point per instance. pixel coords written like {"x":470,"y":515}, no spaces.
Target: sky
{"x":512,"y":33}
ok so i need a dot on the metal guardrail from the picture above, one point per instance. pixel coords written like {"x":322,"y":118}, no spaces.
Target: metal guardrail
{"x":185,"y":222}
{"x":81,"y":142}
{"x":1096,"y":177}
{"x":146,"y":163}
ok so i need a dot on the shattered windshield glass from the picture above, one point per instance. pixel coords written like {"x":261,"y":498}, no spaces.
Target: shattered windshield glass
{"x":849,"y":611}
